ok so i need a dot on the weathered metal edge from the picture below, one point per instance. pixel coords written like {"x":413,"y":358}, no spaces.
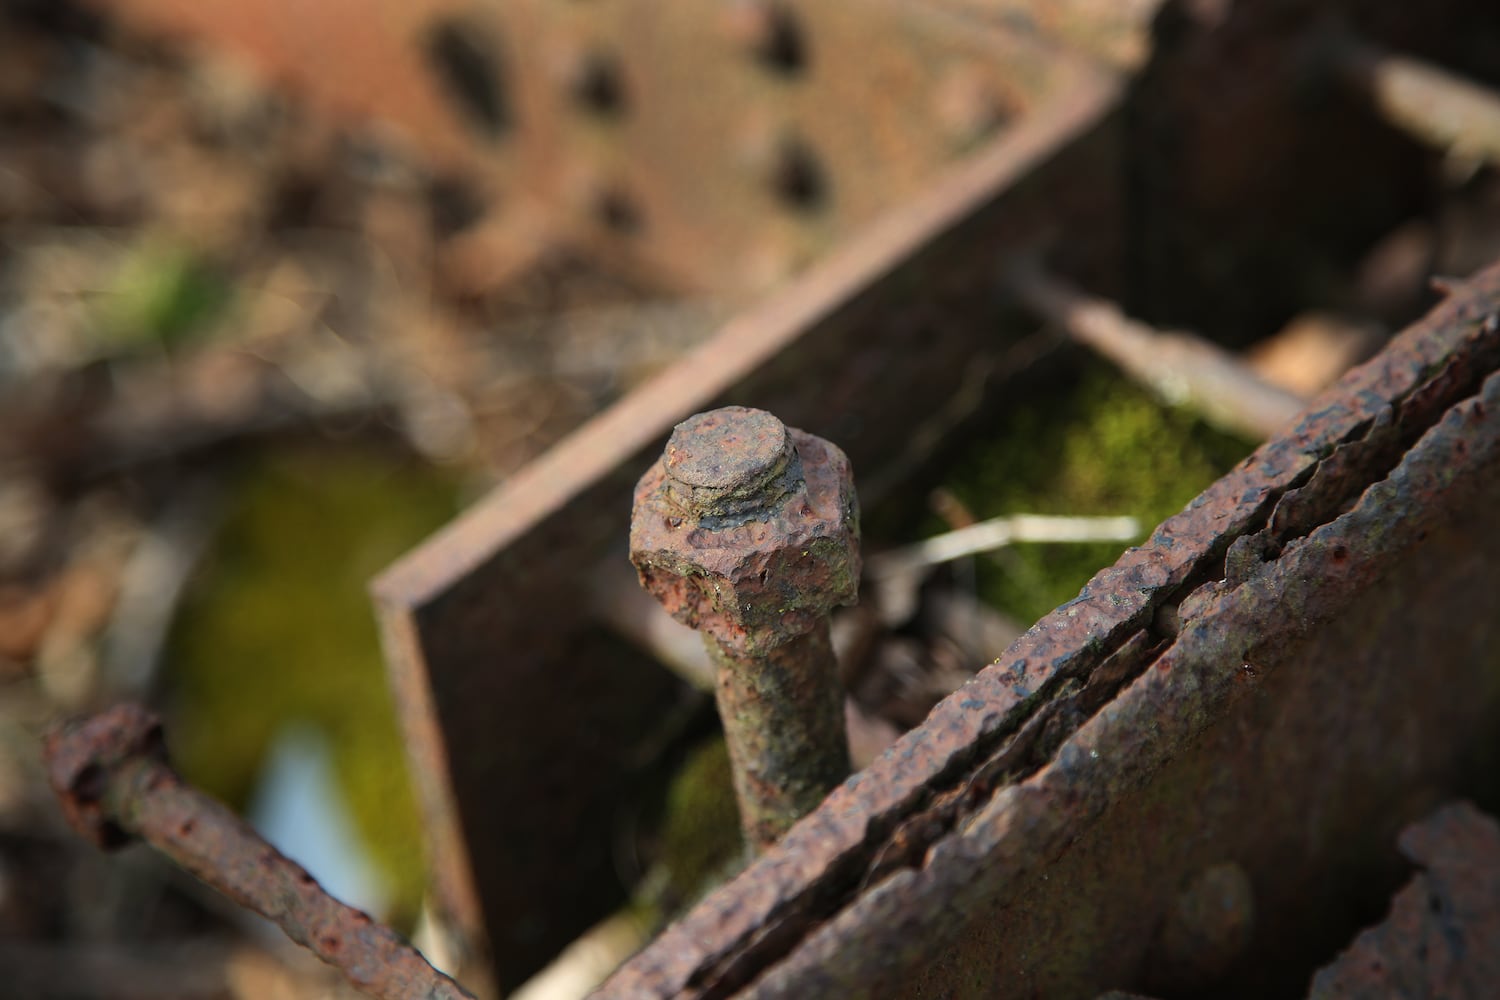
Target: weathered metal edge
{"x":775,"y":898}
{"x":898,"y":924}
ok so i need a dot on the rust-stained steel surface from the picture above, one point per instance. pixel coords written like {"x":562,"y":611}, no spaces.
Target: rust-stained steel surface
{"x":486,"y":625}
{"x":723,"y":146}
{"x":111,"y":774}
{"x":720,"y":145}
{"x":1442,"y":937}
{"x":1291,"y":669}
{"x":588,"y":122}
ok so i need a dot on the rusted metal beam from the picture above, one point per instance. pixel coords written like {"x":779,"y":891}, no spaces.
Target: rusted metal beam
{"x":1284,"y":675}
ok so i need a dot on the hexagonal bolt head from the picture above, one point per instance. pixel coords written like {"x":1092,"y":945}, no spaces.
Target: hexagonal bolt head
{"x":747,"y":530}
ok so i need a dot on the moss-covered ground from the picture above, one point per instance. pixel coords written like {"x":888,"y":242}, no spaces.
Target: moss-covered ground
{"x":278,"y":628}
{"x":1098,"y":446}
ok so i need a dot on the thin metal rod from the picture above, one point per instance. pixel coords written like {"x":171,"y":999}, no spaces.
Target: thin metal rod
{"x":111,"y":773}
{"x":783,"y":714}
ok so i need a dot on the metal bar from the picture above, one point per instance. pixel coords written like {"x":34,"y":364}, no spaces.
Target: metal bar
{"x":1430,"y":103}
{"x":111,"y":773}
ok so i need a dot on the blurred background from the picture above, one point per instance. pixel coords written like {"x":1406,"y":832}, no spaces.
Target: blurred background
{"x":283,"y":290}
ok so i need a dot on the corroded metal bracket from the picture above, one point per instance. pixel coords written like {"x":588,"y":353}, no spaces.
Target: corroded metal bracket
{"x":1288,"y":672}
{"x":723,"y":146}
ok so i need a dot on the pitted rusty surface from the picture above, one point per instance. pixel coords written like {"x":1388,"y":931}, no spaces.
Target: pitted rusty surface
{"x":1054,"y":882}
{"x":806,"y":917}
{"x":80,"y":757}
{"x":721,"y":147}
{"x":783,"y":716}
{"x":753,"y":577}
{"x":1442,"y":937}
{"x":730,"y":462}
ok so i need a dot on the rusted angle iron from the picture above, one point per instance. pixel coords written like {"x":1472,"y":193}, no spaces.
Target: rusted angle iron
{"x":489,"y":627}
{"x":1289,"y":671}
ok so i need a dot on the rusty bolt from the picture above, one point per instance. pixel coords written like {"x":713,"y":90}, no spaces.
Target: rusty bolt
{"x":748,"y":531}
{"x":111,"y":774}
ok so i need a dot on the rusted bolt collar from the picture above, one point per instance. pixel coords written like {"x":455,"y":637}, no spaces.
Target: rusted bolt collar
{"x":731,"y":464}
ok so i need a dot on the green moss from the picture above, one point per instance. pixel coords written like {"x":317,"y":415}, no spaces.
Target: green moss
{"x":1103,"y":447}
{"x":700,"y":831}
{"x":278,"y":628}
{"x":162,"y":294}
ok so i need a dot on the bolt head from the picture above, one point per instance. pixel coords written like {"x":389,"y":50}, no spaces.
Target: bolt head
{"x":747,"y":530}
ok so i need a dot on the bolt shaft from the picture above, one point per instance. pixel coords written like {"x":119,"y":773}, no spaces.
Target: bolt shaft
{"x":783,"y":715}
{"x":116,"y":786}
